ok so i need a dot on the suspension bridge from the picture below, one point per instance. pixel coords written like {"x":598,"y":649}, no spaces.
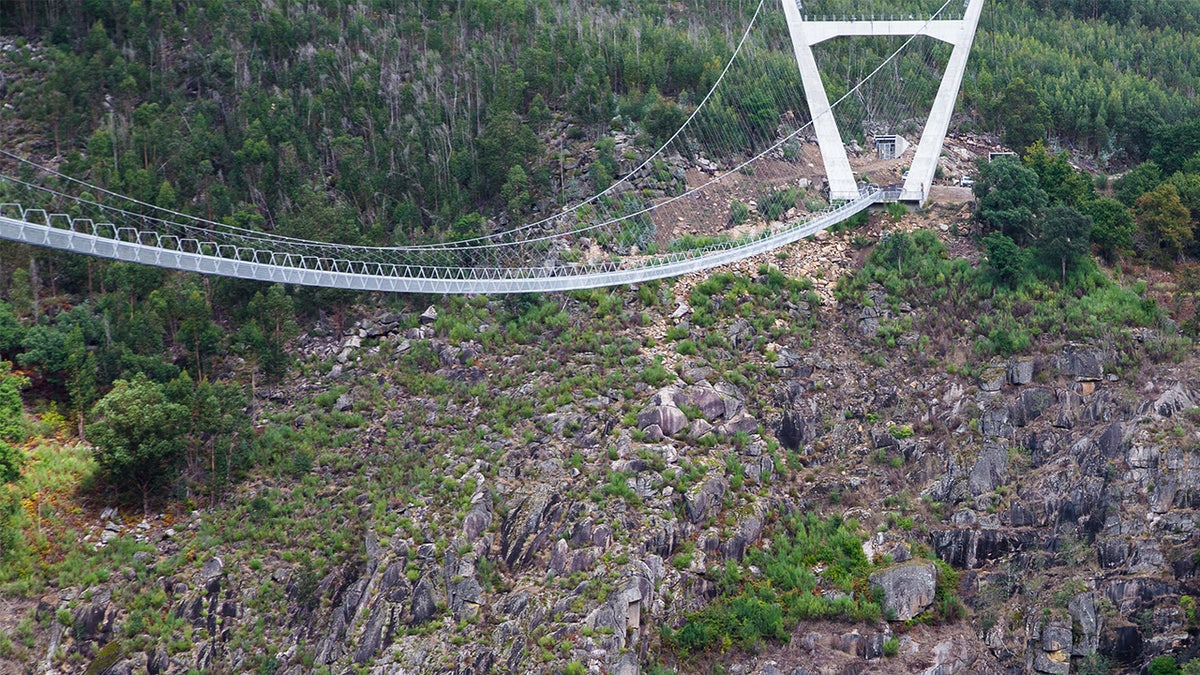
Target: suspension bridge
{"x":626,"y":233}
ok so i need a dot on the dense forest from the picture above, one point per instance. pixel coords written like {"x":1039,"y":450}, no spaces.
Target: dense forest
{"x":392,"y":122}
{"x":385,"y":122}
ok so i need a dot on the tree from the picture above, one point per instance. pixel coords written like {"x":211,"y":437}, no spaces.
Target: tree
{"x":197,"y":331}
{"x":515,"y":191}
{"x":136,"y":435}
{"x":1007,"y":261}
{"x":1061,"y":182}
{"x":215,"y":427}
{"x":12,"y":430}
{"x":1163,"y":665}
{"x":663,"y":118}
{"x":1023,"y":114}
{"x":1008,"y":198}
{"x":1065,"y":237}
{"x":1174,"y":144}
{"x":539,"y":113}
{"x":468,"y":226}
{"x":46,"y":346}
{"x":757,"y":107}
{"x":1140,"y":180}
{"x":21,"y":293}
{"x":1143,"y":118}
{"x":505,"y":142}
{"x":11,"y":331}
{"x":273,"y":314}
{"x":166,"y":195}
{"x":1165,"y":222}
{"x":1188,"y":187}
{"x":12,"y":414}
{"x":11,"y":459}
{"x":82,"y":386}
{"x":1112,"y":225}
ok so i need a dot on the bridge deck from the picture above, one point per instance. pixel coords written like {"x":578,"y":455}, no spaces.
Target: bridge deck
{"x":246,"y":262}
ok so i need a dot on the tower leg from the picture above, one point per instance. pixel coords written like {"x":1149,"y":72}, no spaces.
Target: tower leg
{"x":925,"y":161}
{"x":833,"y":153}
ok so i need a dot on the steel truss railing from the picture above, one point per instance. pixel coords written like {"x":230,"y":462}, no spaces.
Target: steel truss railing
{"x":312,"y":264}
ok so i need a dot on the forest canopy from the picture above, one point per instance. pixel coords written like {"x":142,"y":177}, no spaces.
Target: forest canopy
{"x":386,"y":122}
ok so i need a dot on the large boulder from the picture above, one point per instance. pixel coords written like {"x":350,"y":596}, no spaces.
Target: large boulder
{"x":666,"y":417}
{"x":1174,"y":400}
{"x":1054,"y":657}
{"x":1082,"y":363}
{"x":743,"y":422}
{"x":991,"y":468}
{"x":708,"y":401}
{"x":992,"y":379}
{"x":1031,"y":404}
{"x":1086,"y":623}
{"x":702,"y":500}
{"x":423,"y":606}
{"x":908,"y":589}
{"x":1020,"y":371}
{"x":525,"y":530}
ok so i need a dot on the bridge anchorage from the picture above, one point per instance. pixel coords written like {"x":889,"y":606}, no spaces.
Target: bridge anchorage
{"x":654,"y":222}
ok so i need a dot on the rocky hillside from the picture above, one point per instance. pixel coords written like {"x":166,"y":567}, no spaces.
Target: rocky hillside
{"x":631,"y":480}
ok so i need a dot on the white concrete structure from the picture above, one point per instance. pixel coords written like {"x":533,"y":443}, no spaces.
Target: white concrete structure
{"x":805,"y":33}
{"x":890,"y":146}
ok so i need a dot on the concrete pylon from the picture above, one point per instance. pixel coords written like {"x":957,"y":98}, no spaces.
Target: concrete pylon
{"x":805,"y":33}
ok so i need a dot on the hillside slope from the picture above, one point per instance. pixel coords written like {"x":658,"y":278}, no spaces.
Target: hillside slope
{"x":567,"y":483}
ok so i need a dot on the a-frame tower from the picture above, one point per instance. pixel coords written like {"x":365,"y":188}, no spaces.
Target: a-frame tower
{"x":806,"y":32}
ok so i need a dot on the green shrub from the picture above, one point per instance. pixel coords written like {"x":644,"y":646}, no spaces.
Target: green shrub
{"x":11,"y":461}
{"x":947,"y":293}
{"x":683,"y":559}
{"x":655,"y":374}
{"x":738,"y":213}
{"x":12,"y":415}
{"x":618,"y":487}
{"x":891,"y":646}
{"x":774,"y":204}
{"x":767,"y":607}
{"x":1163,"y":665}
